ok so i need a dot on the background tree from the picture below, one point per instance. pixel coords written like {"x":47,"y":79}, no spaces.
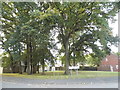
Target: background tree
{"x":26,"y":29}
{"x":92,"y":61}
{"x":90,"y":19}
{"x":81,"y":26}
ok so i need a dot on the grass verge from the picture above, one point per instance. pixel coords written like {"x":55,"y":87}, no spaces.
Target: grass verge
{"x":59,"y":75}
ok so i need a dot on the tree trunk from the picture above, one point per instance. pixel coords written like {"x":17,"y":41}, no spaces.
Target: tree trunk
{"x":67,"y":58}
{"x":12,"y":65}
{"x":38,"y":68}
{"x":43,"y":66}
{"x":31,"y":57}
{"x":20,"y":68}
{"x":28,"y":58}
{"x":25,"y":68}
{"x":19,"y":63}
{"x":11,"y":58}
{"x":74,"y":62}
{"x":28,"y":65}
{"x":34,"y":69}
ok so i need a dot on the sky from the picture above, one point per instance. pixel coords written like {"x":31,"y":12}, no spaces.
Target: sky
{"x":115,"y":32}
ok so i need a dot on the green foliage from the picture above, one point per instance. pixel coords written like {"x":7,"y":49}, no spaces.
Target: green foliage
{"x":28,"y":27}
{"x":5,"y":58}
{"x":92,"y":61}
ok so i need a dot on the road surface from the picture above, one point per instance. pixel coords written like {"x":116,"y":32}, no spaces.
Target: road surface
{"x":101,"y":82}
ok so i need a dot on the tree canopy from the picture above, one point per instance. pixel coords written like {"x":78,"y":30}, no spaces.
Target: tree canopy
{"x":27,"y":28}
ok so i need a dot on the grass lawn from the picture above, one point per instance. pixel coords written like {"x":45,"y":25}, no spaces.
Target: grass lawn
{"x":59,"y":75}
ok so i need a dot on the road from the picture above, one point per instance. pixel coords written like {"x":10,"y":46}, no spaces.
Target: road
{"x":101,"y":82}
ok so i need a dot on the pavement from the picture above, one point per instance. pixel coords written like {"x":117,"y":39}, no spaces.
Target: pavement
{"x":100,"y":82}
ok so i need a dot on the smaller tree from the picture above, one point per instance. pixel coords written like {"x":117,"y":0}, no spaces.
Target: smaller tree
{"x":92,"y":61}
